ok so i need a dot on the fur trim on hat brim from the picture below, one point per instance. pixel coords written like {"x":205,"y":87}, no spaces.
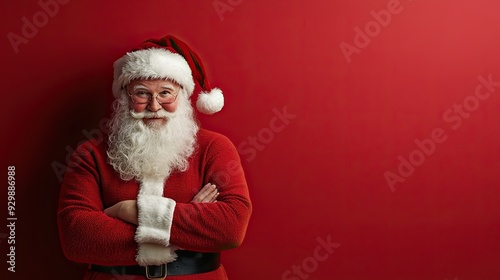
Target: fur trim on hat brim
{"x":210,"y":102}
{"x":152,"y":63}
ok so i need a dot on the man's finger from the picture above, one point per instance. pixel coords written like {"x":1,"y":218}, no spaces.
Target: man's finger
{"x":207,"y":191}
{"x":210,"y":195}
{"x":214,"y":198}
{"x":204,"y":195}
{"x":199,"y":196}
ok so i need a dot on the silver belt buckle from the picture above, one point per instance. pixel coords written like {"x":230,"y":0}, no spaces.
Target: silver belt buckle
{"x":156,"y":271}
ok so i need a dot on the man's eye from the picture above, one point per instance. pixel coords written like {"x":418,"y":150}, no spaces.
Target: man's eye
{"x":164,"y":94}
{"x":141,"y":93}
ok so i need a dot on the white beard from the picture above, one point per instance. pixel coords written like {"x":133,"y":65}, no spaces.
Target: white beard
{"x":139,"y":151}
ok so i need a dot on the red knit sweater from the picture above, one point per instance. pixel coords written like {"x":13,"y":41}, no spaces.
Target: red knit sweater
{"x":90,"y":185}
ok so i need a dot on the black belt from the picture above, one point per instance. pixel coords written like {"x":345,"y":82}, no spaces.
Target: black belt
{"x":187,"y":262}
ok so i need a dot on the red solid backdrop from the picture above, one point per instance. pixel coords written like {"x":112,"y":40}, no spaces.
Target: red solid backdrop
{"x":368,"y":129}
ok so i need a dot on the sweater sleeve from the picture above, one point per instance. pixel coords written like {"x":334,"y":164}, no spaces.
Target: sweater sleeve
{"x":87,"y":234}
{"x":212,"y":227}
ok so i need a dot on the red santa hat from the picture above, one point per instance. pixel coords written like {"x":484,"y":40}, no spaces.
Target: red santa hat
{"x":168,"y":58}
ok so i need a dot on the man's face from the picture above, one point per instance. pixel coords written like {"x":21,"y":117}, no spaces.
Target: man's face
{"x":153,"y":89}
{"x":149,"y":139}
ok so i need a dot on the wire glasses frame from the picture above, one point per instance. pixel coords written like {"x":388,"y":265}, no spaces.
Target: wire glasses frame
{"x":144,"y":98}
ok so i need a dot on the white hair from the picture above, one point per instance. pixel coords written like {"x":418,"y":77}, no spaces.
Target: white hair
{"x":139,"y":151}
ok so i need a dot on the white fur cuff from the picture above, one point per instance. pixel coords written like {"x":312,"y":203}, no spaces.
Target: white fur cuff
{"x":155,"y":219}
{"x":154,"y":254}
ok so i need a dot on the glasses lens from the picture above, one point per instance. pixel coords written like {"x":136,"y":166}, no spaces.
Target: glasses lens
{"x":166,"y":98}
{"x":140,"y":97}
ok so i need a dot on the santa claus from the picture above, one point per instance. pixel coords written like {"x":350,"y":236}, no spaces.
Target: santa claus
{"x":161,"y":197}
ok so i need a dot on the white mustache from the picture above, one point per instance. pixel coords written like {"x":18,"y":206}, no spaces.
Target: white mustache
{"x":147,"y":114}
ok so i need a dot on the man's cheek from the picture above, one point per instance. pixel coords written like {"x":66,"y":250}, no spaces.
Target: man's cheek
{"x":137,"y":108}
{"x":170,"y":107}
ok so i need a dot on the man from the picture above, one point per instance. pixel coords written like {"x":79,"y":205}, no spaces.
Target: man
{"x":162,"y":197}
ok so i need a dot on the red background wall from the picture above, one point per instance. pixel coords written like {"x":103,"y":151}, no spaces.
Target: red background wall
{"x":317,"y":177}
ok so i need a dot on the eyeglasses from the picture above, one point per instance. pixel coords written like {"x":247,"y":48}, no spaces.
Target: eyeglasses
{"x":143,"y":97}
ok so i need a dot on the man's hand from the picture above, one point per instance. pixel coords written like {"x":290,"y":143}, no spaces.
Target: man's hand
{"x":207,"y":194}
{"x":125,"y":210}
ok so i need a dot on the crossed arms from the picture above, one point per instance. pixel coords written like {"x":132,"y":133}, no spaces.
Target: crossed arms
{"x":126,"y":210}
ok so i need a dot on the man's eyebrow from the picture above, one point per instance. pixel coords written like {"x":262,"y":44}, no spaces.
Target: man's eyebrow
{"x":136,"y":87}
{"x":168,"y":87}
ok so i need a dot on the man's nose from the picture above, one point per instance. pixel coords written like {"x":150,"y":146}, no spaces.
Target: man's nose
{"x":153,"y":104}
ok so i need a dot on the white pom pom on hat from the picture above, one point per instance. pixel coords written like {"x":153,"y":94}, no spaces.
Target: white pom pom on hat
{"x":210,"y":102}
{"x":168,"y":58}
